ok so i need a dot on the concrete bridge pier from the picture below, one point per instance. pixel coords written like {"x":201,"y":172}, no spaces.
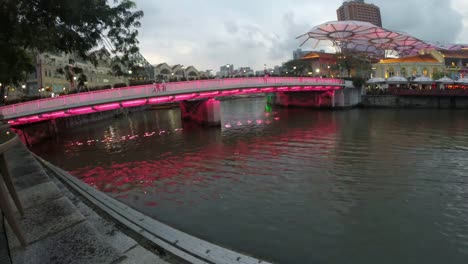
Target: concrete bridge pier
{"x":338,"y":99}
{"x":204,"y":112}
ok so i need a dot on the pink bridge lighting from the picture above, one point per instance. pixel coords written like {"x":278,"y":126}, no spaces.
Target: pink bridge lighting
{"x":105,"y":100}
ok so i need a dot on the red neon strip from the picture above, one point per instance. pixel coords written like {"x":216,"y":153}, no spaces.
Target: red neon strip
{"x":107,"y":107}
{"x":55,"y":114}
{"x":133,"y":103}
{"x":185,"y":96}
{"x":81,"y":110}
{"x":250,"y":90}
{"x":209,"y":94}
{"x":160,"y":99}
{"x":29,"y":118}
{"x":231,"y":91}
{"x":269,"y":89}
{"x":283,"y":89}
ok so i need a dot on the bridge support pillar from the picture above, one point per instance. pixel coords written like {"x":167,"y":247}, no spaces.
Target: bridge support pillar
{"x":338,"y":98}
{"x":204,"y":112}
{"x":319,"y":99}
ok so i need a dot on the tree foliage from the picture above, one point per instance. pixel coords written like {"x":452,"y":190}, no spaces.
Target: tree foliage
{"x":296,"y":67}
{"x":348,"y":61}
{"x":80,"y":27}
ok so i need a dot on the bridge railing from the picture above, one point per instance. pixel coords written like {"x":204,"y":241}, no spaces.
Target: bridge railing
{"x":87,"y":98}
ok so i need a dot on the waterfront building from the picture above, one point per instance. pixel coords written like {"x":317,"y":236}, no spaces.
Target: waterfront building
{"x":164,"y":71}
{"x":320,"y":63}
{"x":433,"y":63}
{"x":49,"y":77}
{"x":360,"y":11}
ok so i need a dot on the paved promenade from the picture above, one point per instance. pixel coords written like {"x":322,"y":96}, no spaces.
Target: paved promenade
{"x":60,"y":228}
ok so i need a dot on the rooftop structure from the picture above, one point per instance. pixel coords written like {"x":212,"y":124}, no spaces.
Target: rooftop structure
{"x":365,"y":37}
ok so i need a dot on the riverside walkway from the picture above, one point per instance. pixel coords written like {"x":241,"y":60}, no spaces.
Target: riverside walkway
{"x":59,"y":227}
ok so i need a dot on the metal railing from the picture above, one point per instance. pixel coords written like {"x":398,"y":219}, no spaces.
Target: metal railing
{"x":154,"y":90}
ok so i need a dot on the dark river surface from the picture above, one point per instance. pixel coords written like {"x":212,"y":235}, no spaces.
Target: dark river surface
{"x":289,"y":185}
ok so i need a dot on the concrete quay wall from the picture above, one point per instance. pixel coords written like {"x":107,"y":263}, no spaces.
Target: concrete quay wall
{"x":434,"y":102}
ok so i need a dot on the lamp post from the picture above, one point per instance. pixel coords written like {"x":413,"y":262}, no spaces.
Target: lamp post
{"x":294,"y":71}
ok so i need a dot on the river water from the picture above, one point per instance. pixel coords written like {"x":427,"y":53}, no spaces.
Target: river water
{"x":289,"y":185}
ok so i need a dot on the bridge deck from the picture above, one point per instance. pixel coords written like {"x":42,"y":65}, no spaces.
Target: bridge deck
{"x":104,"y":100}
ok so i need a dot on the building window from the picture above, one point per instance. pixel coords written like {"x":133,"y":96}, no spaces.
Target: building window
{"x":425,"y":72}
{"x":403,"y":72}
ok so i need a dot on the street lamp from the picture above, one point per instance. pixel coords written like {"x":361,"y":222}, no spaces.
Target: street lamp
{"x":130,"y":72}
{"x":183,"y":71}
{"x":23,"y":86}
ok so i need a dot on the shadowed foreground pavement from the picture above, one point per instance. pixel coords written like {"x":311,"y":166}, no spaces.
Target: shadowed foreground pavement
{"x":59,"y":227}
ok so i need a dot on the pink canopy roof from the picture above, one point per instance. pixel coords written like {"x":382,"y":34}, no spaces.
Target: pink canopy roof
{"x":367,"y":37}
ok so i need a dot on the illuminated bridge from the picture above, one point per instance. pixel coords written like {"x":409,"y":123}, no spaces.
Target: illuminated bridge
{"x":197,"y":98}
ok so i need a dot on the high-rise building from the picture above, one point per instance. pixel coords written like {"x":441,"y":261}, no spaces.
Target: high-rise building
{"x":360,"y":11}
{"x":226,"y":70}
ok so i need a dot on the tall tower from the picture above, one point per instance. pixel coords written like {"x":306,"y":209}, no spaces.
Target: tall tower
{"x":360,"y":11}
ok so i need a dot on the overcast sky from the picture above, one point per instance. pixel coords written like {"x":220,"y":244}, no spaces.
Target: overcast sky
{"x":211,"y":33}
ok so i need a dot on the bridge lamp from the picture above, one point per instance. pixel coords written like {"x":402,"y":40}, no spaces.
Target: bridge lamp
{"x":294,"y":68}
{"x":23,"y":86}
{"x":317,"y":70}
{"x":64,"y":88}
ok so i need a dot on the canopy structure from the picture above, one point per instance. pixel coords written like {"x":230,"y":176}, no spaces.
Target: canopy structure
{"x":397,"y":80}
{"x":423,"y":80}
{"x":376,"y":80}
{"x":367,"y":37}
{"x":445,"y":80}
{"x":463,"y":80}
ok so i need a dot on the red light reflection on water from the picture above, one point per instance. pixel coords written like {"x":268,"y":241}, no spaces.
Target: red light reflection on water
{"x":171,"y":178}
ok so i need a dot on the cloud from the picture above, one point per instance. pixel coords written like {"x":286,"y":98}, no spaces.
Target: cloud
{"x":431,"y":20}
{"x":211,"y":33}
